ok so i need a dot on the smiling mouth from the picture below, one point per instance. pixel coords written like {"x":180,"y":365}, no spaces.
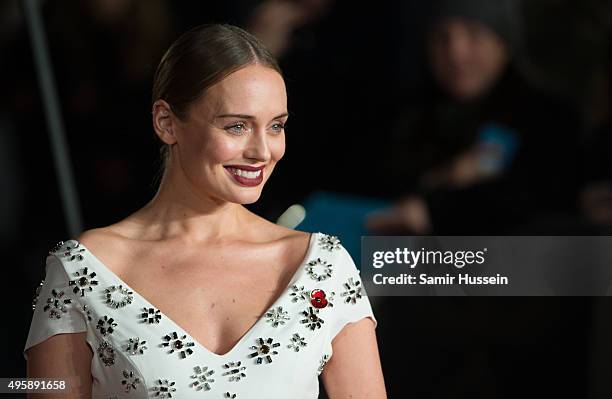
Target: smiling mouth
{"x":248,"y":176}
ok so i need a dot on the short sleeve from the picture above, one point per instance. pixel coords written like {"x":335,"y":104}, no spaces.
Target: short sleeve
{"x":56,"y":310}
{"x":351,"y":302}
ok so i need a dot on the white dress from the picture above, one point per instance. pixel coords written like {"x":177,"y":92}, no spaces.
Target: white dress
{"x":139,"y":352}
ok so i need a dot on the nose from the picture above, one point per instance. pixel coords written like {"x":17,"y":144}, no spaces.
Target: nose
{"x":258,"y":147}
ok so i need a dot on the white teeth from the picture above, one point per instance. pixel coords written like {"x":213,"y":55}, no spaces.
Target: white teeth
{"x":245,"y":173}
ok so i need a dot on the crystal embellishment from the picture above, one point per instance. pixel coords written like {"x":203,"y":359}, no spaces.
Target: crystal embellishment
{"x":127,"y":296}
{"x":37,"y":294}
{"x":264,"y":350}
{"x":106,"y":353}
{"x":106,"y":325}
{"x":56,"y":247}
{"x":202,"y":378}
{"x":234,"y":370}
{"x":322,"y":362}
{"x":135,"y":346}
{"x":87,"y":311}
{"x":129,"y":382}
{"x":297,"y":342}
{"x":298,"y":293}
{"x":178,"y":344}
{"x":164,"y":388}
{"x":311,"y":318}
{"x":324,"y":269}
{"x":277,"y":316}
{"x":56,"y":305}
{"x":329,"y":242}
{"x":352,"y":291}
{"x":150,"y":315}
{"x":83,"y":282}
{"x":69,"y":249}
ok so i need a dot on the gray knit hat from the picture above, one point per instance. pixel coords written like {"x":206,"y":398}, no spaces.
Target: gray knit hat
{"x":501,"y":16}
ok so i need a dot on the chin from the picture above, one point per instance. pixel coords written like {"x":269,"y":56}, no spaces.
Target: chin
{"x":246,"y":198}
{"x":250,"y":200}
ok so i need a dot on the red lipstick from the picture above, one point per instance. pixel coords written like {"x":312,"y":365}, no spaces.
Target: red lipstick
{"x":246,"y":175}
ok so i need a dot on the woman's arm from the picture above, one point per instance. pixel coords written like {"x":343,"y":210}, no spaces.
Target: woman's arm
{"x":354,"y":369}
{"x":65,"y":357}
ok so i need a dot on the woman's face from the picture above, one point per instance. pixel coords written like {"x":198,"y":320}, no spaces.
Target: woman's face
{"x":466,"y":57}
{"x":234,"y":135}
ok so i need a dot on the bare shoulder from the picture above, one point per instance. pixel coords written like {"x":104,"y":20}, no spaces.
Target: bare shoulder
{"x":282,"y":233}
{"x":101,"y":239}
{"x":294,"y":243}
{"x":297,"y":242}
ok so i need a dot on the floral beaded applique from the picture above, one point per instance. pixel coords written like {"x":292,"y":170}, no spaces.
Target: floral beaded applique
{"x":178,"y":344}
{"x":298,"y":293}
{"x":127,"y":296}
{"x":264,"y":350}
{"x":352,"y":291}
{"x":235,"y":370}
{"x":135,"y":346}
{"x":329,"y":242}
{"x":69,"y":249}
{"x":106,"y":325}
{"x":84,"y":281}
{"x":56,"y":305}
{"x":130,"y":381}
{"x":277,"y":316}
{"x":319,"y":269}
{"x":164,"y":388}
{"x":202,"y":378}
{"x":311,"y":318}
{"x":150,"y":315}
{"x":297,"y":342}
{"x":106,"y":353}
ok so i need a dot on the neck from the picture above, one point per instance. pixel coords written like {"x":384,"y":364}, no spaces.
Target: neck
{"x":179,"y":213}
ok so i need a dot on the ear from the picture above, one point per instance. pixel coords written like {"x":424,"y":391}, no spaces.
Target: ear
{"x":164,"y":121}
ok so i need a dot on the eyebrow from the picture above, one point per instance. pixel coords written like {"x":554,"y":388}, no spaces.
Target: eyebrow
{"x":244,"y":116}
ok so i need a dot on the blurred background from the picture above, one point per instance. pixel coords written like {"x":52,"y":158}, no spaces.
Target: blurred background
{"x":462,"y":117}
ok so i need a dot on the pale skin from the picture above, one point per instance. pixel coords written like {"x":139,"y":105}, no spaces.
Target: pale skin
{"x":196,"y":237}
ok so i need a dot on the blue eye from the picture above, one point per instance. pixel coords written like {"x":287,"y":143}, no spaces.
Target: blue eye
{"x":278,"y":127}
{"x":238,"y":128}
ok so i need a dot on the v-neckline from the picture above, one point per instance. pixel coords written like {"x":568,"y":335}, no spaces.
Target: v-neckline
{"x":244,"y":336}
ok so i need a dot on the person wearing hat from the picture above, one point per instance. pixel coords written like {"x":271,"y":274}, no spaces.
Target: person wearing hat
{"x":481,"y":150}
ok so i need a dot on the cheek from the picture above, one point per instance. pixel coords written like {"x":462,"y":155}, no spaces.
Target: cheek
{"x":218,"y":150}
{"x":277,"y":148}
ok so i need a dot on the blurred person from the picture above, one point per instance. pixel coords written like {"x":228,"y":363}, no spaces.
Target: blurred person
{"x":194,"y":251}
{"x":483,"y":150}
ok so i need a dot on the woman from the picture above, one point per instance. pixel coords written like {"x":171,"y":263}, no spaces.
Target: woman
{"x":193,"y":292}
